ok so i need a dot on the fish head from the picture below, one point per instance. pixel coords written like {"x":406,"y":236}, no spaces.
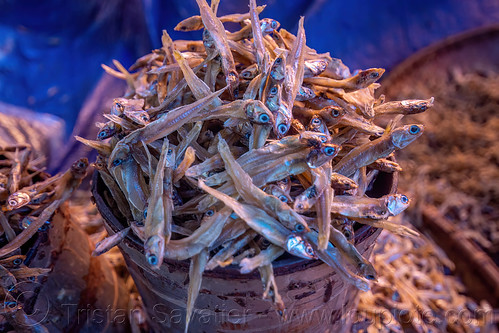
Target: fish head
{"x":100,"y":163}
{"x":170,"y":155}
{"x":139,"y":117}
{"x":79,"y":167}
{"x":107,"y":131}
{"x":397,"y":203}
{"x":318,"y":157}
{"x":269,"y":25}
{"x":273,"y":97}
{"x":348,"y":232}
{"x":304,"y":201}
{"x":318,"y":125}
{"x":333,"y":114}
{"x":154,"y":248}
{"x":208,"y":42}
{"x":279,"y":193}
{"x":316,"y":67}
{"x":403,"y":136}
{"x":313,"y":139}
{"x":232,"y":81}
{"x":296,"y":245}
{"x":249,"y":72}
{"x":119,"y":155}
{"x":369,"y":76}
{"x":258,"y":113}
{"x":278,"y":68}
{"x":305,"y":94}
{"x":282,"y":124}
{"x":118,"y":108}
{"x":284,"y":184}
{"x":17,"y":200}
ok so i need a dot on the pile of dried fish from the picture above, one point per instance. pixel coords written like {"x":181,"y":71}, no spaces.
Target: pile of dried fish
{"x":416,"y":294}
{"x":28,"y":199}
{"x":246,"y":145}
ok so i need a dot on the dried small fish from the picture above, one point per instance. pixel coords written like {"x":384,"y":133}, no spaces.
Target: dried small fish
{"x":361,"y":80}
{"x":275,"y":155}
{"x":404,"y":107}
{"x":369,"y":208}
{"x":368,"y":153}
{"x":217,"y":32}
{"x":195,"y":22}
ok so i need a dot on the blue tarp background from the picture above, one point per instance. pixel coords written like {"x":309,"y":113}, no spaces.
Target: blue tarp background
{"x":51,"y":51}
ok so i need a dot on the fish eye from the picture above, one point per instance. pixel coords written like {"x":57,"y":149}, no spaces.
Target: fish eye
{"x":273,"y":25}
{"x":117,"y":162}
{"x":299,"y":227}
{"x":347,"y":234}
{"x":282,"y":128}
{"x":414,"y":129}
{"x":17,"y":261}
{"x":273,"y":90}
{"x":152,"y":259}
{"x":145,"y":213}
{"x":278,"y":61}
{"x":283,"y":198}
{"x":232,"y":76}
{"x":101,"y":134}
{"x":316,"y":121}
{"x":329,"y":151}
{"x":310,"y":251}
{"x":119,"y":106}
{"x":335,"y":113}
{"x":263,"y":118}
{"x":323,"y":139}
{"x":10,"y":305}
{"x":170,"y":151}
{"x":209,"y":212}
{"x":404,"y":199}
{"x":246,"y":74}
{"x":145,"y":118}
{"x":374,"y":74}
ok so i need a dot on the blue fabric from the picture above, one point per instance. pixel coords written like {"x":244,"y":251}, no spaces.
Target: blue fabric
{"x":51,"y":51}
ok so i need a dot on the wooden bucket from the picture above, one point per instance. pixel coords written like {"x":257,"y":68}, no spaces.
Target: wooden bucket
{"x":315,"y":297}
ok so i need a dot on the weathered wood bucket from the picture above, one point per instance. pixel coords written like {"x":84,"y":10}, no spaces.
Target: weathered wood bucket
{"x":315,"y":297}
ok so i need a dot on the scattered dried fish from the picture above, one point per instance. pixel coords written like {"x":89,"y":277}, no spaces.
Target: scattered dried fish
{"x":29,"y":199}
{"x":416,"y":293}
